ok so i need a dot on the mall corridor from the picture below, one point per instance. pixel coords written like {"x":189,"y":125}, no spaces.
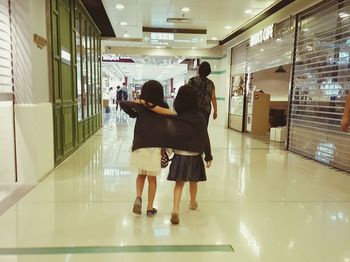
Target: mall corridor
{"x":260,"y":203}
{"x":272,"y":76}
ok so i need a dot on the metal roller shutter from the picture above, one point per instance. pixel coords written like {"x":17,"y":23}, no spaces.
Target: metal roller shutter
{"x":321,"y":83}
{"x":274,"y":52}
{"x":5,"y":49}
{"x":239,"y":59}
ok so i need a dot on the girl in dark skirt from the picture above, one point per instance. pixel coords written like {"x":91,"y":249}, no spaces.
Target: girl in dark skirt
{"x":186,"y":131}
{"x":187,"y":166}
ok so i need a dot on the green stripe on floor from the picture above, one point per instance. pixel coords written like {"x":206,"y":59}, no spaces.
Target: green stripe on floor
{"x":114,"y":249}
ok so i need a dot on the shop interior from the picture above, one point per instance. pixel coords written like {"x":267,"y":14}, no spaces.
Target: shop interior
{"x":259,"y":102}
{"x":270,"y":88}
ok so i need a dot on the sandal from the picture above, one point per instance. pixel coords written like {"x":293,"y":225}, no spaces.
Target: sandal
{"x":151,"y":212}
{"x":137,"y":206}
{"x":174,"y":219}
{"x":193,"y":206}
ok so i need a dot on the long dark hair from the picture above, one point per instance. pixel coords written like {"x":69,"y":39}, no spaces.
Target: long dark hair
{"x":186,"y":100}
{"x":152,"y":93}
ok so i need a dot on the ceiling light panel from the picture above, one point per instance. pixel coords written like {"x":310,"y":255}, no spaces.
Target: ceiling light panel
{"x":119,"y":6}
{"x":212,"y":15}
{"x":128,"y":19}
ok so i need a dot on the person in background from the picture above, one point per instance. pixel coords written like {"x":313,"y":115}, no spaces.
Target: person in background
{"x":344,"y":124}
{"x":119,"y":97}
{"x":205,"y":90}
{"x":124,"y":90}
{"x":111,"y":95}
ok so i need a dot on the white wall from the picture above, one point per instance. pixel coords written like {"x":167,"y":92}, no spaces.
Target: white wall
{"x":33,"y":110}
{"x":275,"y":84}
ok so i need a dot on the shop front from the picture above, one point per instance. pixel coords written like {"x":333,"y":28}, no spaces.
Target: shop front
{"x":290,"y":80}
{"x":260,"y":77}
{"x":321,"y":82}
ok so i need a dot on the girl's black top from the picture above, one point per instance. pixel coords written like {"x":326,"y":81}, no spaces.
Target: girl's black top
{"x":187,"y":131}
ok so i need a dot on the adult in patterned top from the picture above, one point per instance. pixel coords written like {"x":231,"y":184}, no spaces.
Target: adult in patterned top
{"x":206,"y":91}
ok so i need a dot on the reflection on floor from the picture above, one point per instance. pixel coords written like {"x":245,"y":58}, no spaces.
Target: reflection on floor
{"x":268,"y":204}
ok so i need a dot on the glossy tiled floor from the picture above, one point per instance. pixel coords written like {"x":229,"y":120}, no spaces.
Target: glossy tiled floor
{"x":270,"y":205}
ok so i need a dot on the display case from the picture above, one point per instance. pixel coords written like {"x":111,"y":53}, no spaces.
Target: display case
{"x":236,"y":112}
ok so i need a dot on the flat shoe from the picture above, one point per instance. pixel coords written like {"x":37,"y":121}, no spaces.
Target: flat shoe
{"x":174,"y":219}
{"x":194,"y":206}
{"x":137,"y":206}
{"x":152,"y":212}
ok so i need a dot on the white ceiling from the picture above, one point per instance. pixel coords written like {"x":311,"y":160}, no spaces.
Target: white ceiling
{"x":146,"y":68}
{"x":205,"y":14}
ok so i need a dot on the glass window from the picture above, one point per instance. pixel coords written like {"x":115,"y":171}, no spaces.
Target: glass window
{"x":96,"y":73}
{"x":79,"y":68}
{"x":89,"y":70}
{"x":84,"y":67}
{"x":93,"y":72}
{"x":98,"y":77}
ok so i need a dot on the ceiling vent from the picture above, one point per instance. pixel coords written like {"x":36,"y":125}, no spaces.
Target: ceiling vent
{"x":175,"y":20}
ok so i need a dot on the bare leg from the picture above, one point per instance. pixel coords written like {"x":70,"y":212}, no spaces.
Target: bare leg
{"x":177,"y":198}
{"x":193,"y":195}
{"x":177,"y":195}
{"x":140,"y":182}
{"x":152,"y":188}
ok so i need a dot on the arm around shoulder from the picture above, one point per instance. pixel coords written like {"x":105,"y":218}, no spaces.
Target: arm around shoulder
{"x":131,"y":108}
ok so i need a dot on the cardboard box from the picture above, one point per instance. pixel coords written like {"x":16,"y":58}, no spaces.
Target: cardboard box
{"x":278,"y":134}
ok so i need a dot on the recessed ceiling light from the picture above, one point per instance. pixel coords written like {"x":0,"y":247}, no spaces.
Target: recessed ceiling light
{"x":279,"y":40}
{"x":248,"y":11}
{"x":185,"y":9}
{"x":123,"y":23}
{"x":194,"y":47}
{"x":228,"y":27}
{"x":126,"y":35}
{"x":214,"y":38}
{"x":262,"y":49}
{"x":120,"y":6}
{"x":306,"y":29}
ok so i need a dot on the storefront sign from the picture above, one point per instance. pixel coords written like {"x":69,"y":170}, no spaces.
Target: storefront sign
{"x":65,"y":56}
{"x":116,"y":58}
{"x":40,"y":41}
{"x":263,"y":35}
